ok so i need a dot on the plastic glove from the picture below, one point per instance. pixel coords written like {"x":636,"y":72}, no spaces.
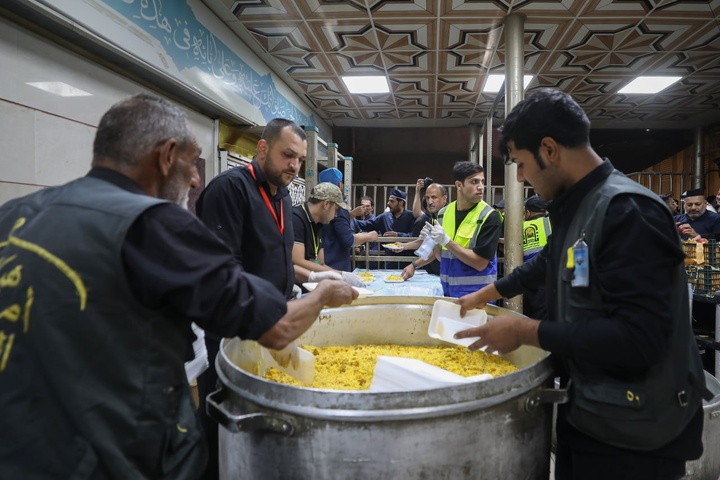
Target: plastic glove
{"x":290,"y":355}
{"x":296,"y":292}
{"x":427,"y":228}
{"x":326,"y":275}
{"x":352,"y":279}
{"x":438,"y":235}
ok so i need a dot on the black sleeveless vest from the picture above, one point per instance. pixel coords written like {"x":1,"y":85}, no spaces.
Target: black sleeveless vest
{"x":647,"y":413}
{"x":93,"y":384}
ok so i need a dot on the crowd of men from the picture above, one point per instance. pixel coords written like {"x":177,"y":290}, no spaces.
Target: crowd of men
{"x":97,"y":321}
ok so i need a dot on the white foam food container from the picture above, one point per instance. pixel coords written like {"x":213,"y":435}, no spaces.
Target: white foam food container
{"x":304,"y":372}
{"x":397,"y":374}
{"x":362,"y":292}
{"x":445,"y":322}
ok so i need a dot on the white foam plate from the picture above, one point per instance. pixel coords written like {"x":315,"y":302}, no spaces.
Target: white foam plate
{"x":305,"y":371}
{"x":362,"y":292}
{"x":397,"y":374}
{"x":392,"y":281}
{"x":446,"y":322}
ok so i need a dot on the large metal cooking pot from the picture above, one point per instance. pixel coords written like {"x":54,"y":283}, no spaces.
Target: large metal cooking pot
{"x":707,"y":467}
{"x":497,"y":429}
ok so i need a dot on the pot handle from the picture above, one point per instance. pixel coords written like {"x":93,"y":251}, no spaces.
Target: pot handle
{"x":546,"y":395}
{"x":244,"y":423}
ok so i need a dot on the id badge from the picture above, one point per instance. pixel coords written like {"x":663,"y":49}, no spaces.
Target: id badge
{"x":581,"y":262}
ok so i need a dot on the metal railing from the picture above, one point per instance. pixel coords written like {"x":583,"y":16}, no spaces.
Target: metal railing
{"x":380,"y":192}
{"x":379,"y":257}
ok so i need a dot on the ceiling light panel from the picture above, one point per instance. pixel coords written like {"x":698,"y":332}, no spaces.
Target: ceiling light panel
{"x":366,"y":84}
{"x":648,"y":85}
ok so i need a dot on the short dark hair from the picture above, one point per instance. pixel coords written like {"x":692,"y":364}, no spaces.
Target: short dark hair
{"x":274,"y":128}
{"x":546,"y":113}
{"x":372,"y":202}
{"x":464,"y":169}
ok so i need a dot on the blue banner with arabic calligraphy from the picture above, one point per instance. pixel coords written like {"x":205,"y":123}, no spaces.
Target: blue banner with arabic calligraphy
{"x":192,"y":46}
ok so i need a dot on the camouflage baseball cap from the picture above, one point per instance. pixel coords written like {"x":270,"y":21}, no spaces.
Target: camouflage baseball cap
{"x":328,"y":191}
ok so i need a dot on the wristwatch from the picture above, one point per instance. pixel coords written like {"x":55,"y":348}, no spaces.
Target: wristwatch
{"x":414,"y":264}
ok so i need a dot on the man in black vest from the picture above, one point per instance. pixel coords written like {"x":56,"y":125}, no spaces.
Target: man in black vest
{"x":618,"y":309}
{"x":101,"y":280}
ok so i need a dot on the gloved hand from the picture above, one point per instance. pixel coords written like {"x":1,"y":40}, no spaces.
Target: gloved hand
{"x":352,"y":279}
{"x":290,"y":355}
{"x":438,"y":235}
{"x":326,"y":275}
{"x":296,"y":292}
{"x":427,"y":228}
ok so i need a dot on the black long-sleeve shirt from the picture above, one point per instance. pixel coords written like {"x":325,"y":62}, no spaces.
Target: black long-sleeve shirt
{"x":634,"y":265}
{"x":173,"y":261}
{"x":638,"y":254}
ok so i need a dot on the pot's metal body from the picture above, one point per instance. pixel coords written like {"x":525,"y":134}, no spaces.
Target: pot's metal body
{"x":707,"y":467}
{"x":484,"y":430}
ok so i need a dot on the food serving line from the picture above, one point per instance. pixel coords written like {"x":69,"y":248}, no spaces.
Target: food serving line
{"x":467,"y":430}
{"x":474,"y":429}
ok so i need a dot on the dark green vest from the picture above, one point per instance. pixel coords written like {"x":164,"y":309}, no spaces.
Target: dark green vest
{"x":647,"y":413}
{"x":93,"y":384}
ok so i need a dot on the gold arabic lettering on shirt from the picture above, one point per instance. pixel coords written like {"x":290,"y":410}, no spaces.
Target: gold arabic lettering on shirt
{"x":48,"y":257}
{"x":13,"y":279}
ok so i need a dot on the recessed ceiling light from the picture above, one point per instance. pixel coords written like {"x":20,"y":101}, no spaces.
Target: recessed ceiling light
{"x":495,"y":81}
{"x":367,"y":84}
{"x":649,"y":84}
{"x":60,"y":88}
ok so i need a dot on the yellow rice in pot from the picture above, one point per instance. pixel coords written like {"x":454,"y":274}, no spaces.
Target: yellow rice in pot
{"x":351,"y":367}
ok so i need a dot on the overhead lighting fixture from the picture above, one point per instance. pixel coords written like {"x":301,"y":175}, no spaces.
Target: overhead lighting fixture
{"x":60,"y":88}
{"x":367,"y":84}
{"x":648,"y":84}
{"x":495,"y":81}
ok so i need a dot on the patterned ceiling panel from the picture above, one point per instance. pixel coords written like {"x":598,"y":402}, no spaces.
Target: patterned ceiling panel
{"x":437,"y":54}
{"x":382,"y":9}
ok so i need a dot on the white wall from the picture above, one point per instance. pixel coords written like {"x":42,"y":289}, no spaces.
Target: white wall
{"x":46,"y":139}
{"x":186,"y":41}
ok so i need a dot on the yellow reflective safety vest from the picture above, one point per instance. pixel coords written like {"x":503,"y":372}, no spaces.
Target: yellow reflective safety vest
{"x":535,"y":236}
{"x":456,"y":277}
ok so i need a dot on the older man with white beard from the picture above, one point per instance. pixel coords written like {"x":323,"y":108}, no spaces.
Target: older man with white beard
{"x":697,"y":221}
{"x":101,"y":279}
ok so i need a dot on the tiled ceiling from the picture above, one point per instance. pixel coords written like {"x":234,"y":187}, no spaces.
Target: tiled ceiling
{"x":437,"y":54}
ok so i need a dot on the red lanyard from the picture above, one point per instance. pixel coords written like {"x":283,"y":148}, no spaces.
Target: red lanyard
{"x":281,"y":222}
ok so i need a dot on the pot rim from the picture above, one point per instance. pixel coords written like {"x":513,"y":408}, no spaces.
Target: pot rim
{"x":364,"y":405}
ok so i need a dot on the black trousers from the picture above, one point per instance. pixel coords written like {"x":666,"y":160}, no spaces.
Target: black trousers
{"x":572,"y":464}
{"x":580,"y":457}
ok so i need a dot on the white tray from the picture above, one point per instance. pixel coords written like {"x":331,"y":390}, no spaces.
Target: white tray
{"x":446,"y":322}
{"x":397,"y":374}
{"x":362,"y":292}
{"x":305,"y":371}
